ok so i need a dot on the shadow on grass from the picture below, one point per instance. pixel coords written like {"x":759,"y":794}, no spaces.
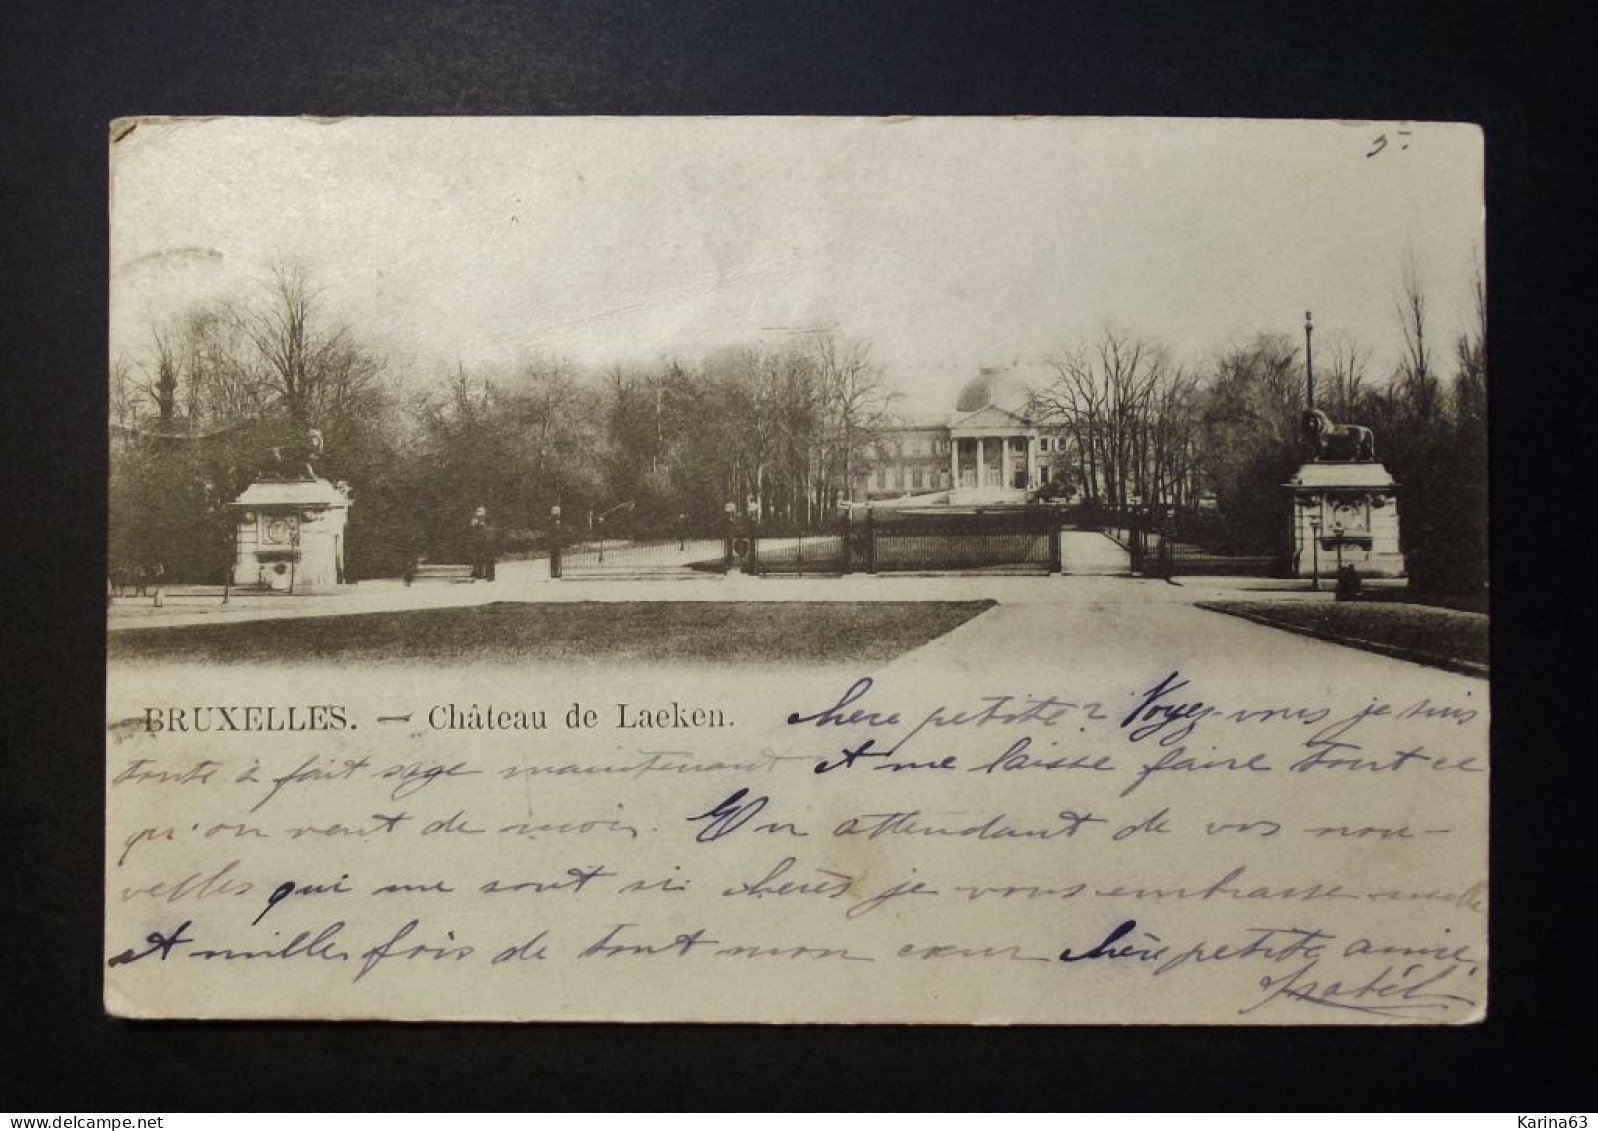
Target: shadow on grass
{"x":1463,"y":603}
{"x":1424,"y":634}
{"x":791,"y":633}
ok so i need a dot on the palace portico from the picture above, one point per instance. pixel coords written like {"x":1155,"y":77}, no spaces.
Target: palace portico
{"x":994,"y":452}
{"x":987,"y":451}
{"x":992,"y":460}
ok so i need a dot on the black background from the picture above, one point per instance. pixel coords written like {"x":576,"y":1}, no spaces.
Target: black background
{"x":69,"y":70}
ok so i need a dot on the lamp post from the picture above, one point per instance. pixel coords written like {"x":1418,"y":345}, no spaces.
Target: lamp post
{"x":1309,"y":363}
{"x":1337,"y":540}
{"x":554,"y":545}
{"x":1315,"y":551}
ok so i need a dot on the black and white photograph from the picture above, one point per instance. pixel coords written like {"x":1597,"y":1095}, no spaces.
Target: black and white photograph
{"x":888,"y":570}
{"x":615,"y":556}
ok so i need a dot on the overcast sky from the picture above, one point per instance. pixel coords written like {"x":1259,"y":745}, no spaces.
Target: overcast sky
{"x":948,"y":244}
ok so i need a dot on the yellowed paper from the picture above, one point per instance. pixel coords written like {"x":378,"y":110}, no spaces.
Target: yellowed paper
{"x":695,"y":781}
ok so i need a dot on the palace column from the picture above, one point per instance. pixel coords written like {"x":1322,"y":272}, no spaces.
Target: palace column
{"x":982,"y":461}
{"x":954,"y":463}
{"x":1032,"y":462}
{"x":1005,"y":479}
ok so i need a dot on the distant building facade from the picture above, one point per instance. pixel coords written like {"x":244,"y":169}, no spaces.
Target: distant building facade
{"x":987,"y":451}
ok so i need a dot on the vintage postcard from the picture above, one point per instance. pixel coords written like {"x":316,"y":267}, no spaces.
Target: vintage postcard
{"x":973,"y":571}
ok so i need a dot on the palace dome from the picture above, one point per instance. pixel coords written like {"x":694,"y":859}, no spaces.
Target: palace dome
{"x":994,"y":386}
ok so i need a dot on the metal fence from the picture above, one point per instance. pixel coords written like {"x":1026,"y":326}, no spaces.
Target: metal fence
{"x":1188,"y":546}
{"x":1021,"y":540}
{"x":829,"y":551}
{"x":975,"y":540}
{"x":997,"y":540}
{"x":622,"y":553}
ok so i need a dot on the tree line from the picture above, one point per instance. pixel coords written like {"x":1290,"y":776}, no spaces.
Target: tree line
{"x":658,"y":446}
{"x":633,"y":448}
{"x":1146,"y":431}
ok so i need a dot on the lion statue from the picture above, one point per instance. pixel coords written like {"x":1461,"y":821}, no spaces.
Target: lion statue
{"x":1351,"y":443}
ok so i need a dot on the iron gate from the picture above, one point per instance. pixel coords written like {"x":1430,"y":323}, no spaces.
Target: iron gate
{"x":687,"y":552}
{"x":980,"y":540}
{"x":830,"y":551}
{"x":1184,"y":546}
{"x":872,"y":540}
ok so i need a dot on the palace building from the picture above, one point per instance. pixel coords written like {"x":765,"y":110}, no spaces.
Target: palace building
{"x":987,"y":451}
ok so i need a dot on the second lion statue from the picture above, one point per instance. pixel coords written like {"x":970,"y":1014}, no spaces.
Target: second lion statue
{"x":1351,"y":443}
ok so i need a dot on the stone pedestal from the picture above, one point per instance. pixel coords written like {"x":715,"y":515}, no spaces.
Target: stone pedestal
{"x":1347,"y":508}
{"x":289,"y":535}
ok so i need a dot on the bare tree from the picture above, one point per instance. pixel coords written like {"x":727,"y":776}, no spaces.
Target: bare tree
{"x":551,"y":403}
{"x":221,"y":386}
{"x":1074,"y":400}
{"x":796,"y":404}
{"x":1345,"y":385}
{"x":1249,"y":433}
{"x":1417,"y":385}
{"x":307,"y":370}
{"x":1112,"y":398}
{"x":1470,"y":354}
{"x":855,"y":402}
{"x":160,"y":373}
{"x":128,"y":398}
{"x":1172,"y":429}
{"x":283,"y":338}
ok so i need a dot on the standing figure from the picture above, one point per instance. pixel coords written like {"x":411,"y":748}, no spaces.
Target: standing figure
{"x":482,"y":546}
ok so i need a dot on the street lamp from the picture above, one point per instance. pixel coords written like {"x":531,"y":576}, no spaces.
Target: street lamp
{"x":731,"y":511}
{"x":554,"y":542}
{"x":1315,"y":550}
{"x":1309,"y":363}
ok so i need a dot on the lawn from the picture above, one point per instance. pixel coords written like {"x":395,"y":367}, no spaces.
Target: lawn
{"x":803,"y":633}
{"x":1438,"y":637}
